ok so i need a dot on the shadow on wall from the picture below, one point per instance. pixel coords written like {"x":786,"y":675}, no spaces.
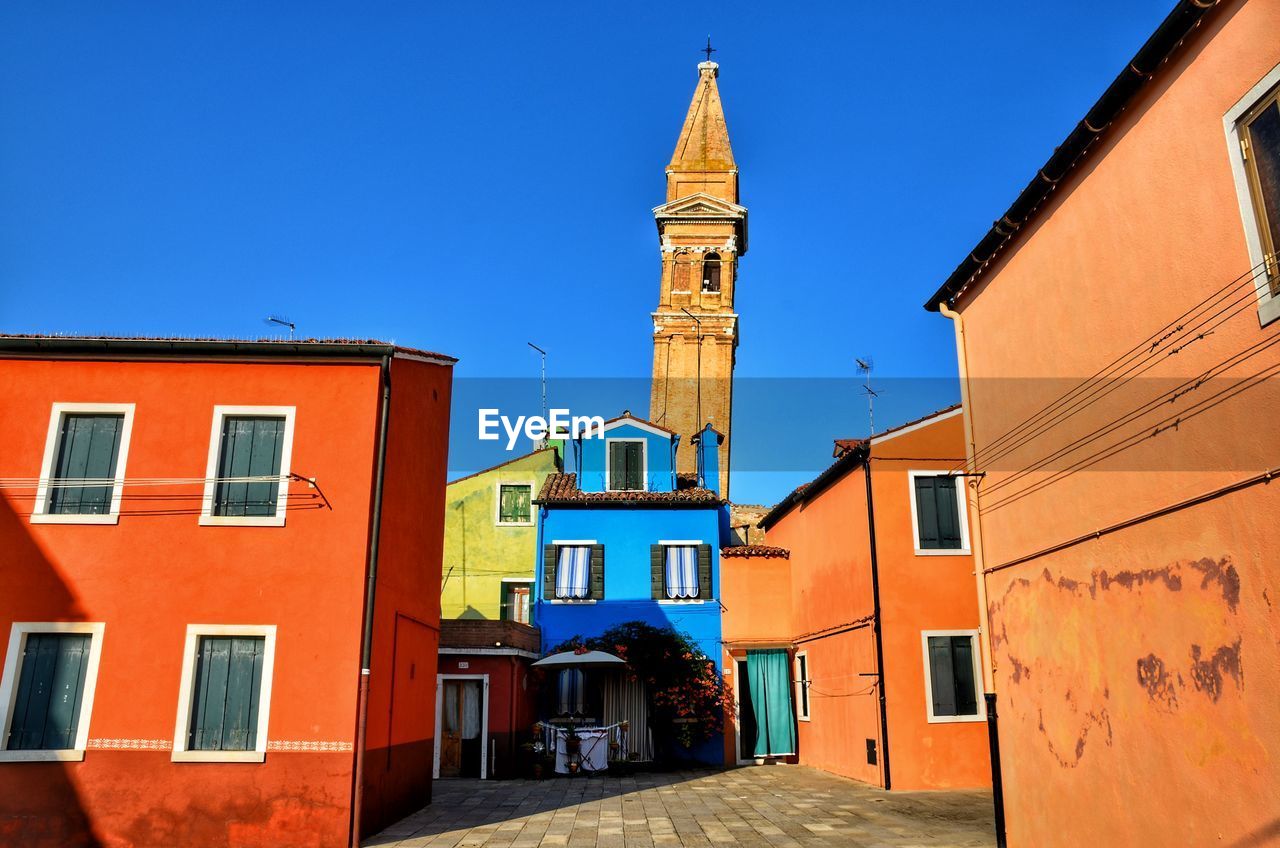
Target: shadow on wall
{"x":39,"y":803}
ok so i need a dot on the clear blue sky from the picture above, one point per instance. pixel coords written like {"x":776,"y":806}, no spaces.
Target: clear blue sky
{"x":469,"y":177}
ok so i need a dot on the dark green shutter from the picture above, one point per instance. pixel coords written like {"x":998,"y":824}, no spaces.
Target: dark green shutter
{"x":941,"y":677}
{"x":927,"y":513}
{"x":704,"y":572}
{"x":657,"y":570}
{"x":514,"y":503}
{"x":962,"y":671}
{"x":224,"y":713}
{"x":617,"y":466}
{"x":549,"y":572}
{"x":635,"y":466}
{"x":251,"y":447}
{"x":938,"y":513}
{"x":88,"y":447}
{"x":597,"y":573}
{"x":46,"y":709}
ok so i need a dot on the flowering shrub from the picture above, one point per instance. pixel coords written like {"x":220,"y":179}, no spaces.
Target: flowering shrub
{"x":687,"y":698}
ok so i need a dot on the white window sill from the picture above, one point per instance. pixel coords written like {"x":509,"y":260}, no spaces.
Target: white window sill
{"x":68,"y":518}
{"x":964,"y":719}
{"x":242,"y":521}
{"x":218,"y":756}
{"x":943,"y":552}
{"x":69,"y":755}
{"x":681,"y":601}
{"x":802,"y":718}
{"x":572,"y":601}
{"x":513,"y":524}
{"x":1268,"y":310}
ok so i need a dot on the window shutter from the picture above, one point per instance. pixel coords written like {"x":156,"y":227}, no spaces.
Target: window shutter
{"x":549,"y":572}
{"x":597,"y":572}
{"x":657,"y":571}
{"x":210,"y":701}
{"x":227,"y":689}
{"x":704,"y":572}
{"x":46,"y":710}
{"x":617,"y":466}
{"x":251,"y":447}
{"x":88,"y":448}
{"x":948,"y":512}
{"x":927,"y":513}
{"x":962,"y":669}
{"x":635,"y":466}
{"x":941,"y":677}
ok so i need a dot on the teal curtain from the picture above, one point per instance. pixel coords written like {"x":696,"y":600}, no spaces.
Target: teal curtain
{"x":769,"y":676}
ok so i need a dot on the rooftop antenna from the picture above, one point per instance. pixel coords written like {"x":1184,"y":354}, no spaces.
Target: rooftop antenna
{"x":864,"y":367}
{"x":283,"y":322}
{"x":543,"y":354}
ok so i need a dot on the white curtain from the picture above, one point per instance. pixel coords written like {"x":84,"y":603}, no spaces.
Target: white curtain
{"x":624,"y":700}
{"x":572,"y":570}
{"x":682,"y":571}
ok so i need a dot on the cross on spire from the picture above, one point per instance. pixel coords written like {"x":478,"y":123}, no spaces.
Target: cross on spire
{"x":708,"y":49}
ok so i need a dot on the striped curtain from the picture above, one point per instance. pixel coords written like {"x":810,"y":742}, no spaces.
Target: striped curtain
{"x":626,"y":700}
{"x":682,"y":571}
{"x":570,"y":691}
{"x":572,"y":571}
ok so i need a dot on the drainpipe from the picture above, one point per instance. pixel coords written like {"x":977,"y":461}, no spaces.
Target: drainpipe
{"x":875,"y":618}
{"x":371,"y":586}
{"x":979,"y":571}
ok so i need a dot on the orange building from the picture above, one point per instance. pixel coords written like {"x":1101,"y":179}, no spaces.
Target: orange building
{"x":883,"y":612}
{"x":219,"y":601}
{"x":1118,"y":338}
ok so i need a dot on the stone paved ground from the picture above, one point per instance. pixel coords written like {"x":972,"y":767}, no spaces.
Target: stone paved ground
{"x":760,"y":807}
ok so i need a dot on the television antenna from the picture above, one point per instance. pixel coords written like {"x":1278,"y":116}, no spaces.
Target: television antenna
{"x":282,"y":322}
{"x":865,"y":366}
{"x":543,"y":354}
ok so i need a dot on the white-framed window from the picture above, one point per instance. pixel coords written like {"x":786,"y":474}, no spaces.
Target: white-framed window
{"x":939,"y":514}
{"x":576,"y":579}
{"x":516,"y":595}
{"x":513,"y":505}
{"x":247,"y":477}
{"x":82,"y":474}
{"x":802,"y":686}
{"x":1253,"y":143}
{"x":678,"y":577}
{"x":952,"y":674}
{"x":626,"y":464}
{"x":224,"y":697}
{"x":46,"y":691}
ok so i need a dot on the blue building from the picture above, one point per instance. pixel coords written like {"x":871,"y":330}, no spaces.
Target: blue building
{"x":624,"y":537}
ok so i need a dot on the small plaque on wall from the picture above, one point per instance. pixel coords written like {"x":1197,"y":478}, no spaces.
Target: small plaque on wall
{"x":463,"y":664}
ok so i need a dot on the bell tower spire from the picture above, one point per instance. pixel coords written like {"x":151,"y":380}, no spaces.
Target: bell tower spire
{"x":702,"y":231}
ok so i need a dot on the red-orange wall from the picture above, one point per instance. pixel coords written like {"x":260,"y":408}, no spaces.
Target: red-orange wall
{"x":157,"y":571}
{"x":832,"y":606}
{"x":1138,"y":672}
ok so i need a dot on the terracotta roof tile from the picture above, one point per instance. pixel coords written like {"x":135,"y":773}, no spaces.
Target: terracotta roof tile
{"x":563,"y":489}
{"x":755,"y":551}
{"x":53,"y":341}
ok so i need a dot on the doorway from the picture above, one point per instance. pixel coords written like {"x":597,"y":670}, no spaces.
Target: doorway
{"x":462,"y":725}
{"x":766,"y":715}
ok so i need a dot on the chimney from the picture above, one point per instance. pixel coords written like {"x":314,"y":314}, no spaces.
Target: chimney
{"x":707,"y":444}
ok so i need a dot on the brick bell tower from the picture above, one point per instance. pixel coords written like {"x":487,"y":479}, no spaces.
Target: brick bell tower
{"x":702,"y":231}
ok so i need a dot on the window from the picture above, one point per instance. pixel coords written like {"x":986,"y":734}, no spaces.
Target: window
{"x":951,"y":673}
{"x":515,"y":600}
{"x":569,"y":692}
{"x":1253,"y":133}
{"x":626,"y":465}
{"x":802,"y":686}
{"x":682,"y":271}
{"x":573,"y":571}
{"x":515,"y":503}
{"x":1260,"y":147}
{"x":711,"y":274}
{"x":82,"y":475}
{"x":938,"y":521}
{"x":249,"y":455}
{"x":47,"y":690}
{"x":225,"y":694}
{"x":680,"y":571}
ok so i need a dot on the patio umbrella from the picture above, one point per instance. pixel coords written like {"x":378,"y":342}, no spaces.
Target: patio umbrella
{"x":569,"y":659}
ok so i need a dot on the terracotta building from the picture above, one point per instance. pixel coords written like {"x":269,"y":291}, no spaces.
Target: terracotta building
{"x":883,"y":612}
{"x":219,"y":594}
{"x":1117,"y":336}
{"x":702,"y":232}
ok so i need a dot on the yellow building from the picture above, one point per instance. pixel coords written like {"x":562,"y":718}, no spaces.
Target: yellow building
{"x":490,"y":537}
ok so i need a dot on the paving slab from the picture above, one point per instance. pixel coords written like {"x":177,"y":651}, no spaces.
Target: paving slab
{"x":754,"y":807}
